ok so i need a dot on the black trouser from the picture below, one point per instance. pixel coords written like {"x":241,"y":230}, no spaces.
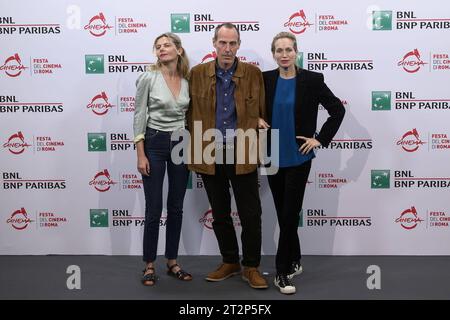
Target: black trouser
{"x":246,"y":194}
{"x":288,"y":189}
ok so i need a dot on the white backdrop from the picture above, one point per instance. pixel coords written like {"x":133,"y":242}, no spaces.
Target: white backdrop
{"x":67,"y":84}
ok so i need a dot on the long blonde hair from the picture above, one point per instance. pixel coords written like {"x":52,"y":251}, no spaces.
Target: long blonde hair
{"x":182,"y":61}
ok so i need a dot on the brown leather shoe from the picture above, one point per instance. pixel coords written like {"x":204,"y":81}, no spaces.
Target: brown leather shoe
{"x":224,"y":271}
{"x":254,"y":278}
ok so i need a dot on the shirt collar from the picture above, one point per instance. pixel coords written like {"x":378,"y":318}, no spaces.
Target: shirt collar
{"x":230,"y":71}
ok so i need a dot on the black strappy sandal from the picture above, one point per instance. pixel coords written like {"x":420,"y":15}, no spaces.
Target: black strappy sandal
{"x":180,"y":274}
{"x":149,"y":277}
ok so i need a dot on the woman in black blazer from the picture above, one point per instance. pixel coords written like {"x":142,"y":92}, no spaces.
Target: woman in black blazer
{"x":293,"y":96}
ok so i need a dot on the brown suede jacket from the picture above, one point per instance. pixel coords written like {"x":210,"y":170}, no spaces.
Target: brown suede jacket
{"x":250,"y":105}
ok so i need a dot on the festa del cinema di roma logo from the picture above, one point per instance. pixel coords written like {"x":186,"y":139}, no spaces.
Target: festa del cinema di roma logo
{"x":207,"y":219}
{"x":16,"y":143}
{"x":102,"y":181}
{"x":13,"y":66}
{"x":97,"y":25}
{"x":100,"y":104}
{"x":209,"y":57}
{"x":410,"y":141}
{"x":213,"y":55}
{"x":19,"y":219}
{"x":297,"y":22}
{"x":411,"y":61}
{"x":409,"y":219}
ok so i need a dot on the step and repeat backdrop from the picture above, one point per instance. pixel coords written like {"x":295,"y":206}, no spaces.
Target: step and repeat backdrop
{"x":69,"y":183}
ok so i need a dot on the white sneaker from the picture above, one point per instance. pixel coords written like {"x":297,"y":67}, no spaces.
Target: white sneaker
{"x":284,"y":283}
{"x":296,"y":269}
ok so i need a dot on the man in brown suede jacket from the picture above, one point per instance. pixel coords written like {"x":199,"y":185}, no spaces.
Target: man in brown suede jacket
{"x":226,"y":109}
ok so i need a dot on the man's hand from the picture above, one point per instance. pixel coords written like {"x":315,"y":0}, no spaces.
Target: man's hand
{"x":262,"y":124}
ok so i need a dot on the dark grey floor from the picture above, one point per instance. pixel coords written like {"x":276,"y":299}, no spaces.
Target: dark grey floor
{"x":324,"y":277}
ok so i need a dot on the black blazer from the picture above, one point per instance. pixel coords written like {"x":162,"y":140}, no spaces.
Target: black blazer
{"x":310,"y":91}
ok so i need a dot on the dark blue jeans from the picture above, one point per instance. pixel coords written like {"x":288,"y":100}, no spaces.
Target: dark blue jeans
{"x":158,"y":147}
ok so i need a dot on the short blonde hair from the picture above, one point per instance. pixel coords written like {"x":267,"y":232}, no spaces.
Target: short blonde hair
{"x":283,"y":35}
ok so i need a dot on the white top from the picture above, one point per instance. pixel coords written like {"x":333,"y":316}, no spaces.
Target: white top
{"x":156,"y":107}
